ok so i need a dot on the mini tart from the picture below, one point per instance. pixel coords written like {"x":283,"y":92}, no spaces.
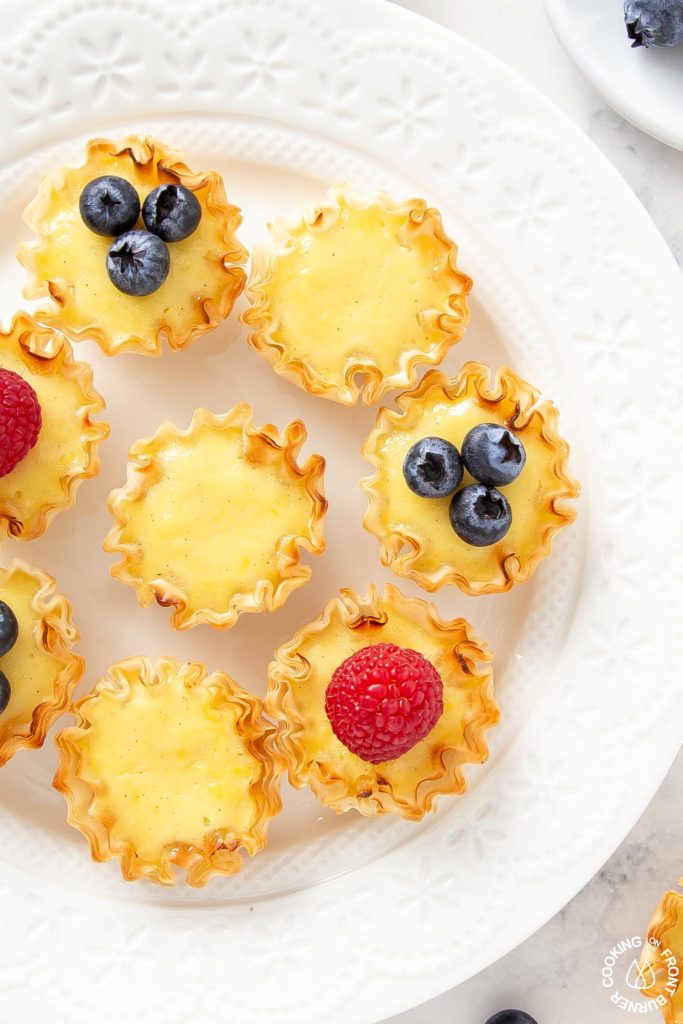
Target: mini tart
{"x":661,"y":961}
{"x":41,"y":668}
{"x":416,"y":538}
{"x":67,"y":260}
{"x":212,"y":519}
{"x":168,"y":766}
{"x":354,"y":294}
{"x":409,"y":785}
{"x":65,"y":454}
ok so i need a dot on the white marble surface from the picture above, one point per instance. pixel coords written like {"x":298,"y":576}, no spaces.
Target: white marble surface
{"x":556,"y":974}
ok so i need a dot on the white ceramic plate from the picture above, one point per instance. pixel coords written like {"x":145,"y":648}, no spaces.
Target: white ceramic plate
{"x":644,"y":85}
{"x":344,"y":919}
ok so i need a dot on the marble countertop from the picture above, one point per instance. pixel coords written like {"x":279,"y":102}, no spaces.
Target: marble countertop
{"x":556,"y":974}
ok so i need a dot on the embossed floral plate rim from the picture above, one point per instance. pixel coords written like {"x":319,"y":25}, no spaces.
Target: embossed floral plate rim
{"x":379,"y":80}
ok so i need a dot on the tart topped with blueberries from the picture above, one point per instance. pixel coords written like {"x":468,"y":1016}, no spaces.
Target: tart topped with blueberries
{"x":379,"y":704}
{"x":48,"y":441}
{"x":354,"y":294}
{"x":133,"y":248}
{"x":471,"y":481}
{"x":38,"y":669}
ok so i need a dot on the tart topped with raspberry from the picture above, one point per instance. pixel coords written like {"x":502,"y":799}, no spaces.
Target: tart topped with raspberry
{"x":48,"y":440}
{"x":471,"y":481}
{"x":354,"y":294}
{"x":133,"y":248}
{"x":379,"y":704}
{"x":212,"y":519}
{"x":168,"y":766}
{"x":38,"y":669}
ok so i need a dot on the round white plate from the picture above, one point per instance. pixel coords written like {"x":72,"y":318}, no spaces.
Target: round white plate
{"x":343,"y":919}
{"x":644,"y":85}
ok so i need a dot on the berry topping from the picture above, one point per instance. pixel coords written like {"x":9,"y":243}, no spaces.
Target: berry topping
{"x":433,"y":468}
{"x":20,"y":419}
{"x":138,"y":263}
{"x":480,"y":515}
{"x":5,"y":692}
{"x":172,"y":212}
{"x":383,"y":700}
{"x":493,"y":454}
{"x":109,"y":205}
{"x":654,"y":22}
{"x":511,"y":1017}
{"x":9,"y":628}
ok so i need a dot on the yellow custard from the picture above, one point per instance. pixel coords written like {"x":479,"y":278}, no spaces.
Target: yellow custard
{"x":415,"y":534}
{"x":68,"y":260}
{"x":366,"y":290}
{"x":662,"y":958}
{"x":175,"y":768}
{"x":212,"y":519}
{"x":65,"y":454}
{"x":41,"y":669}
{"x":301,"y":672}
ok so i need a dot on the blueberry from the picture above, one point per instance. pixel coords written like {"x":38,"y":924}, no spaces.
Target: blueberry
{"x":171,"y":212}
{"x":138,"y":262}
{"x":511,"y":1017}
{"x":9,"y":628}
{"x":480,"y":515}
{"x":654,"y":22}
{"x":5,"y":692}
{"x":493,"y":454}
{"x":109,"y":205}
{"x":433,"y":468}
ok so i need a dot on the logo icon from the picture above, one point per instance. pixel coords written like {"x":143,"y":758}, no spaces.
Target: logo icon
{"x":626,"y":980}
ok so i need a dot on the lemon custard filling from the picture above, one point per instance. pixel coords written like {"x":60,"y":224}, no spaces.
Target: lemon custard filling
{"x":352,"y":296}
{"x":64,"y":454}
{"x":212,"y":519}
{"x":38,"y":669}
{"x":486,"y":532}
{"x":308,"y":728}
{"x":168,"y":766}
{"x":70,"y":263}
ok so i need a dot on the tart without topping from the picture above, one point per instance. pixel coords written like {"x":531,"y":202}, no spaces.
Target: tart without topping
{"x":661,"y":962}
{"x":354,"y":294}
{"x":64,"y":454}
{"x":212,"y":519}
{"x":300,"y":678}
{"x":425,"y":540}
{"x":68,"y":259}
{"x":169,"y":766}
{"x":39,"y":666}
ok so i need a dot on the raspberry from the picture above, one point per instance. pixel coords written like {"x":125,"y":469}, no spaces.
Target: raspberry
{"x":383,"y":700}
{"x":20,"y":420}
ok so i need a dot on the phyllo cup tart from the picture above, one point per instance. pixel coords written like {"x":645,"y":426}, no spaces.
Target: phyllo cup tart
{"x":661,"y":962}
{"x":167,"y":766}
{"x":471,"y":481}
{"x":38,"y":669}
{"x":354,"y":294}
{"x":49,"y":440}
{"x":212,"y":519}
{"x":175,"y":280}
{"x":380,"y":703}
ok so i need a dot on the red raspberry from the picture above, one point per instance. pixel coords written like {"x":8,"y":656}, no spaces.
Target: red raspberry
{"x":383,"y":700}
{"x":20,"y":420}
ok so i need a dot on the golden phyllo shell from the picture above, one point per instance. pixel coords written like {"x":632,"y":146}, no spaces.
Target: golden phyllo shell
{"x":354,"y":294}
{"x":41,"y":667}
{"x":46,"y":479}
{"x":661,"y":964}
{"x":212,"y":519}
{"x":408,"y":786}
{"x":169,"y":766}
{"x":415,"y":535}
{"x":67,"y":261}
